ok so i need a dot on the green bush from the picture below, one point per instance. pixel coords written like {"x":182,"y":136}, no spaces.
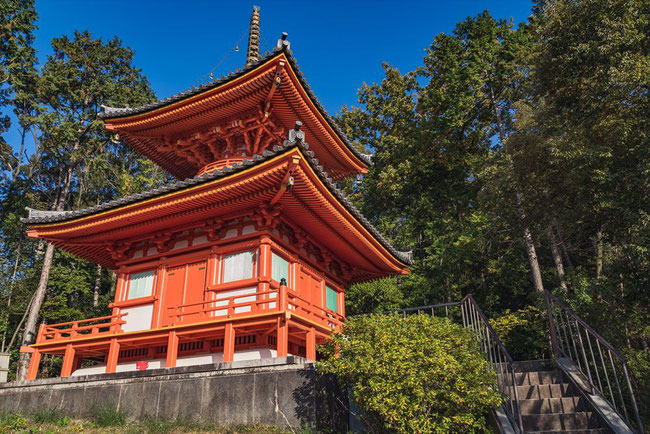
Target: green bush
{"x":523,"y":333}
{"x":414,"y":374}
{"x":109,"y":415}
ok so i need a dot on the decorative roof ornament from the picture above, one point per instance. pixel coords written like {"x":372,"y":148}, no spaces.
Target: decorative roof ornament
{"x":282,"y":42}
{"x":253,"y":54}
{"x":295,"y":135}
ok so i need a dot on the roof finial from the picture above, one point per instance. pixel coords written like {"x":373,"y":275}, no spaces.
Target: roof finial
{"x":282,"y":42}
{"x":253,"y":54}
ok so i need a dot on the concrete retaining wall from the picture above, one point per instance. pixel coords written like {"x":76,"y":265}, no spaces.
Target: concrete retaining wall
{"x":282,"y":391}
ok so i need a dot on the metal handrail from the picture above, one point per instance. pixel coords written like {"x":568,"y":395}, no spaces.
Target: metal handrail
{"x":497,"y":354}
{"x":571,"y":337}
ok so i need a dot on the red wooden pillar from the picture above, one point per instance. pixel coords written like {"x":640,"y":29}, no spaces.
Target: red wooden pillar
{"x":310,"y":345}
{"x":112,"y":356}
{"x":265,"y":270}
{"x":283,"y":337}
{"x":172,"y":349}
{"x":68,"y":361}
{"x":229,"y":343}
{"x":35,"y":360}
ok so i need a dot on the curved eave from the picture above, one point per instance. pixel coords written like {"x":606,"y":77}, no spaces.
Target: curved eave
{"x":332,"y":203}
{"x":115,"y":119}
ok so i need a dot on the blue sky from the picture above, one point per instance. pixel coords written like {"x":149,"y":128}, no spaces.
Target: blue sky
{"x":338,"y":44}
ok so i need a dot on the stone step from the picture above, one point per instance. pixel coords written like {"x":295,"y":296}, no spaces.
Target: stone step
{"x":553,"y":405}
{"x":542,"y":391}
{"x":559,"y":421}
{"x":537,"y":377}
{"x":534,"y":365}
{"x":574,"y":431}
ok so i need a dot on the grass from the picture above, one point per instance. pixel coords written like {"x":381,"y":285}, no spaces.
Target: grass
{"x":108,"y":419}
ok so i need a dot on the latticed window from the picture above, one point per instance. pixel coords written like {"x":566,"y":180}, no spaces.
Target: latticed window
{"x":141,"y":284}
{"x":238,"y":266}
{"x":279,"y":268}
{"x":331,"y":299}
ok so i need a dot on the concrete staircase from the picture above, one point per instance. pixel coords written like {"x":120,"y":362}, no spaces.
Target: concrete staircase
{"x":550,"y":404}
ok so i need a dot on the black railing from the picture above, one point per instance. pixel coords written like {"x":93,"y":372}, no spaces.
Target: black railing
{"x":497,"y":354}
{"x":599,"y":362}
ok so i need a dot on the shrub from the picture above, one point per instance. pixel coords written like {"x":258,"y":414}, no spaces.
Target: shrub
{"x":414,"y":374}
{"x":109,"y":415}
{"x":523,"y":333}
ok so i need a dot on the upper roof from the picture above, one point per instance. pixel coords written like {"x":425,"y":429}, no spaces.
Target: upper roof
{"x":66,"y":229}
{"x":273,"y":89}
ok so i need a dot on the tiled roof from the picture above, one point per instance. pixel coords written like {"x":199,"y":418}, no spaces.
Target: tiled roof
{"x":113,"y":112}
{"x":40,"y":217}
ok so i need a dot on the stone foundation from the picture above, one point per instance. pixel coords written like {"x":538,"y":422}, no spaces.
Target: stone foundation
{"x":283,"y":391}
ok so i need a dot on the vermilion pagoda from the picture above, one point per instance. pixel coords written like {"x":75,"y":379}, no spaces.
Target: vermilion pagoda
{"x":248,"y":256}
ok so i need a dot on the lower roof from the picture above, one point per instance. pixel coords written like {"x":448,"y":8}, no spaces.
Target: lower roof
{"x":85,"y":231}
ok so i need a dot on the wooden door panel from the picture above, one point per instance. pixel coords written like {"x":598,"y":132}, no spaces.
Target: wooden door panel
{"x":173,"y":293}
{"x":194,"y":290}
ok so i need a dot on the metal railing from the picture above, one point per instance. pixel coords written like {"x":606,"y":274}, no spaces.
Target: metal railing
{"x":601,"y":364}
{"x":497,"y":354}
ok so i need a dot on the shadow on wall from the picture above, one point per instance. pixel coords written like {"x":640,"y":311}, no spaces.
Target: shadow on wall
{"x":321,"y":404}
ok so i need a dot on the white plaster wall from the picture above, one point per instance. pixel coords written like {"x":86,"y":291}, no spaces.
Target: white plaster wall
{"x":138,"y":318}
{"x":232,"y":293}
{"x":193,"y":360}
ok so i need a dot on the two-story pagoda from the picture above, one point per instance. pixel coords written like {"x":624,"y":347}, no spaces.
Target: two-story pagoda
{"x":247,"y":255}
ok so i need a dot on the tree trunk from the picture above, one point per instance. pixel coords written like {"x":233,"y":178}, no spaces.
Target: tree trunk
{"x":98,"y":280}
{"x":557,"y":258}
{"x":10,"y":291}
{"x":39,"y":294}
{"x":599,"y":255}
{"x":528,"y":236}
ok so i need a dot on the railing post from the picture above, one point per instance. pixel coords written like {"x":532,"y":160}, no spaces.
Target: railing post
{"x":555,"y":350}
{"x":284,"y":302}
{"x":40,"y":337}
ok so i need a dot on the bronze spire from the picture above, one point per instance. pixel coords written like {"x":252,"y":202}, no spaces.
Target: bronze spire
{"x":253,"y":54}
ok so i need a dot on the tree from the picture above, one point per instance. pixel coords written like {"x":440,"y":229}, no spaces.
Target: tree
{"x":82,"y":74}
{"x":413,"y":374}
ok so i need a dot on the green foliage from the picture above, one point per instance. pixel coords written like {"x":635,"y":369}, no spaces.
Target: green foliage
{"x":10,"y":422}
{"x":375,"y":297}
{"x":109,"y":415}
{"x":51,"y":416}
{"x":523,"y":332}
{"x":414,"y":374}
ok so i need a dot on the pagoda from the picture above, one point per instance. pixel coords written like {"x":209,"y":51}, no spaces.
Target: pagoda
{"x":247,"y":254}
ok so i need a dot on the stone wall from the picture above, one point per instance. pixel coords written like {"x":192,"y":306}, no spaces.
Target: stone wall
{"x":282,"y":391}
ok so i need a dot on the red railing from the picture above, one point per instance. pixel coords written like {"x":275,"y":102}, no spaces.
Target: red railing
{"x":84,"y":327}
{"x":282,"y":299}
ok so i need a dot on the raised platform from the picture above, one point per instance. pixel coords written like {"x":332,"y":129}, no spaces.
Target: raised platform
{"x":284,"y":391}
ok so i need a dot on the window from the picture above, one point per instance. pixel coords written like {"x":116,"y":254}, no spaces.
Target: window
{"x":238,"y":266}
{"x":279,"y":268}
{"x":141,"y":284}
{"x":331,"y":299}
